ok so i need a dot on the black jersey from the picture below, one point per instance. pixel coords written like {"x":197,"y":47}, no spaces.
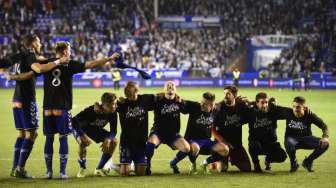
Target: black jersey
{"x":90,"y":118}
{"x":199,"y":122}
{"x":262,"y":126}
{"x":25,"y":89}
{"x":58,"y":85}
{"x":299,"y":127}
{"x":167,"y":119}
{"x":133,"y":117}
{"x":229,"y":121}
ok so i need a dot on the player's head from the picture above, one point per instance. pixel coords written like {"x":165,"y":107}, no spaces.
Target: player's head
{"x":262,"y":101}
{"x":208,"y":102}
{"x":170,"y":88}
{"x":63,"y":49}
{"x":230,"y":93}
{"x":299,"y":106}
{"x":131,"y":90}
{"x":109,"y":102}
{"x":32,"y":41}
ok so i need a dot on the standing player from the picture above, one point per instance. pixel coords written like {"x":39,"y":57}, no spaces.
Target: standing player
{"x":167,"y":124}
{"x":298,"y":134}
{"x":133,"y":114}
{"x":24,"y":103}
{"x":198,"y":133}
{"x":231,"y":115}
{"x":262,"y":132}
{"x":89,"y":124}
{"x":57,"y":103}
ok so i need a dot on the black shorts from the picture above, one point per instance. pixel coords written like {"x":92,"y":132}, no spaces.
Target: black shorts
{"x":95,"y":133}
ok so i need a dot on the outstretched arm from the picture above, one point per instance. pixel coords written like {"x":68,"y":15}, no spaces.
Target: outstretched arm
{"x":100,"y":62}
{"x":41,"y":68}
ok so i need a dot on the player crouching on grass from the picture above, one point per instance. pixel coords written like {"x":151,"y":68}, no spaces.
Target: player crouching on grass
{"x":198,"y":133}
{"x":298,"y":134}
{"x":89,"y":124}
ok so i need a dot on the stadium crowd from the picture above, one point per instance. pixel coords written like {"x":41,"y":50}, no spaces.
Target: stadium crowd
{"x":96,"y":27}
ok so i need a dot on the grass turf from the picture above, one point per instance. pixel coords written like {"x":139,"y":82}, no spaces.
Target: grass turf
{"x":322,"y":102}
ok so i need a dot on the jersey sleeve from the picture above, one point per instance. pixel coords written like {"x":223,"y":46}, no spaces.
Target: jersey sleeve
{"x":149,"y":101}
{"x":281,"y":112}
{"x":190,"y":107}
{"x":113,"y":120}
{"x":30,"y":59}
{"x":319,"y":123}
{"x":76,"y":67}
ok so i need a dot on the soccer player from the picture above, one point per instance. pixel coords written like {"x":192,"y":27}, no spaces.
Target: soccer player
{"x":167,"y":124}
{"x":89,"y":124}
{"x":262,"y":132}
{"x":57,"y":104}
{"x":133,"y":116}
{"x":230,"y":117}
{"x":198,"y":133}
{"x":24,"y":102}
{"x":298,"y":134}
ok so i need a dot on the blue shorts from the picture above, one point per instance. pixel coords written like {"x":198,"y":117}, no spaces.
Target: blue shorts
{"x":132,"y":153}
{"x":205,"y":145}
{"x":97,"y":134}
{"x":168,"y":139}
{"x":57,"y":124}
{"x":27,"y":117}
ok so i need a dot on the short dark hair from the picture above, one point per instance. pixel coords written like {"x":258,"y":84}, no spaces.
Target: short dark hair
{"x":108,"y":98}
{"x":299,"y":99}
{"x":61,"y":46}
{"x":260,"y":95}
{"x":209,"y":96}
{"x":233,"y":90}
{"x":29,"y":39}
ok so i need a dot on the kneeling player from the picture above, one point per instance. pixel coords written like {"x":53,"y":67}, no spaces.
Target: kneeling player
{"x":299,"y":135}
{"x":198,"y":133}
{"x":90,"y":123}
{"x":133,"y":114}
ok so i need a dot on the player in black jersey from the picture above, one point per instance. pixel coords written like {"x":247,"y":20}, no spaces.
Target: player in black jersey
{"x":24,"y":102}
{"x":133,"y":116}
{"x":198,"y":133}
{"x":262,"y":132}
{"x":230,"y":116}
{"x":57,"y":103}
{"x":298,"y":134}
{"x":167,"y":124}
{"x":89,"y":124}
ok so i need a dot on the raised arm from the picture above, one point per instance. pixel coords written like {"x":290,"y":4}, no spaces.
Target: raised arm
{"x":41,"y":68}
{"x":100,"y":62}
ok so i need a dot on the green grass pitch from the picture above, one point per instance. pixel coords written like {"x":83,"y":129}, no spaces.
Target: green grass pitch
{"x":321,"y":102}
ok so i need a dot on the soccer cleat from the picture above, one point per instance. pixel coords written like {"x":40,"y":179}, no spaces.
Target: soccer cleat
{"x":294,"y":167}
{"x":81,"y":173}
{"x":308,"y":165}
{"x":12,"y":173}
{"x":20,"y":173}
{"x":63,"y":176}
{"x":100,"y":172}
{"x":225,"y":165}
{"x":193,"y":169}
{"x":49,"y":175}
{"x":175,"y":168}
{"x":267,"y":165}
{"x":148,"y":170}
